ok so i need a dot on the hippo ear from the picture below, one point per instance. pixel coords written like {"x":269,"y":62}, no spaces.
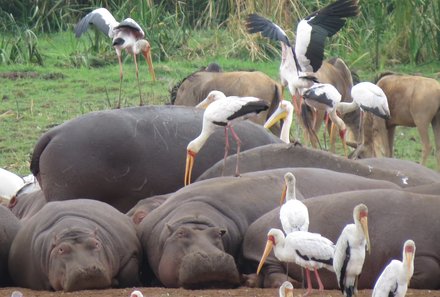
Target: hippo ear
{"x":138,"y":217}
{"x":169,"y":228}
{"x":12,"y":202}
{"x":54,"y":240}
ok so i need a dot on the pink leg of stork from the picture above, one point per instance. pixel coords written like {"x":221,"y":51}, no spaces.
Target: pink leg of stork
{"x":237,"y":140}
{"x":321,"y":286}
{"x":120,"y":81}
{"x":309,"y":283}
{"x":226,"y":148}
{"x":137,"y":77}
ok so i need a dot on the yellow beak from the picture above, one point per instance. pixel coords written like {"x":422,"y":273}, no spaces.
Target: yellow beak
{"x":147,"y":55}
{"x":288,"y":292}
{"x":189,"y":166}
{"x":278,"y":115}
{"x":204,"y":104}
{"x":364,"y":224}
{"x":266,"y":253}
{"x":283,"y":194}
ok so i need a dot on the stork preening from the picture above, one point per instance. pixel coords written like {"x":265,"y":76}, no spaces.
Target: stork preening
{"x":350,"y":251}
{"x":126,"y":35}
{"x":294,"y":215}
{"x":325,"y":97}
{"x":299,"y":64}
{"x":286,"y":289}
{"x":395,"y":277}
{"x":309,"y":250}
{"x":284,"y":112}
{"x":221,"y":111}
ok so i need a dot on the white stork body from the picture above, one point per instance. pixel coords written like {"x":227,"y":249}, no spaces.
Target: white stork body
{"x":286,"y":289}
{"x":368,"y":97}
{"x":10,"y":183}
{"x":350,"y":251}
{"x":395,"y":277}
{"x":221,"y":111}
{"x":136,"y":293}
{"x":283,"y":112}
{"x":309,"y":250}
{"x":299,"y":65}
{"x":326,"y":97}
{"x":126,"y":35}
{"x":294,"y":215}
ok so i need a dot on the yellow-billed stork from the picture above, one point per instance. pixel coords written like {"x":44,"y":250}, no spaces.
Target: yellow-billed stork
{"x":286,"y":289}
{"x":294,"y":215}
{"x":283,"y":112}
{"x":221,"y":111}
{"x":309,"y":250}
{"x":350,"y":251}
{"x":299,"y":64}
{"x":126,"y":35}
{"x":136,"y":293}
{"x":395,"y":277}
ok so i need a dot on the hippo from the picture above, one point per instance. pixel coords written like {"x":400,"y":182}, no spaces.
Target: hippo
{"x":429,"y":189}
{"x":9,"y":226}
{"x":122,"y":156}
{"x":393,"y":216}
{"x":24,"y":205}
{"x":76,"y":245}
{"x":193,"y":239}
{"x":291,"y":155}
{"x":145,"y":206}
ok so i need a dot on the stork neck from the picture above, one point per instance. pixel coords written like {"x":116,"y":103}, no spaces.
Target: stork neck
{"x":346,"y":107}
{"x":196,"y":144}
{"x":290,"y":192}
{"x":285,"y":130}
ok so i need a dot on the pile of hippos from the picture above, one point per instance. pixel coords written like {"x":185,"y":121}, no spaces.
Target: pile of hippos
{"x":111,"y":209}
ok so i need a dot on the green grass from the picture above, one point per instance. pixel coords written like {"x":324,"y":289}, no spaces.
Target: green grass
{"x":66,"y":87}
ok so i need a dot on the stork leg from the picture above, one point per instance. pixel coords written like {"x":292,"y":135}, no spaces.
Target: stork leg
{"x":226,"y":148}
{"x":309,"y":283}
{"x":237,"y":140}
{"x":120,"y":81}
{"x":320,"y":285}
{"x":137,"y":78}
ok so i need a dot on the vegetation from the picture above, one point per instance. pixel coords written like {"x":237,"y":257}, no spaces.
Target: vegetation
{"x":47,"y":76}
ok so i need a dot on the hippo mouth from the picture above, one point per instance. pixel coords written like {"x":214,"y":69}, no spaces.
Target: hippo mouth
{"x":93,"y":277}
{"x":201,"y":271}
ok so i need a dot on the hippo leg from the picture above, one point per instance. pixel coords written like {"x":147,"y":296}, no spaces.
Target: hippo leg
{"x":128,"y":275}
{"x":426,"y":278}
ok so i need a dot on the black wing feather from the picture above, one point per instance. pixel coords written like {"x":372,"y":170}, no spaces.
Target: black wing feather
{"x":250,"y":107}
{"x":256,"y":23}
{"x":344,"y":268}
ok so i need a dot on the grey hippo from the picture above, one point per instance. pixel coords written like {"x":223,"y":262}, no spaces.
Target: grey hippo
{"x":122,"y":156}
{"x":193,"y":239}
{"x":76,"y":245}
{"x":9,"y":226}
{"x":393,"y":217}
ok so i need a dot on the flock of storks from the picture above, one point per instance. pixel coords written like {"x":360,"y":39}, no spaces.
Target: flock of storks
{"x":297,"y":71}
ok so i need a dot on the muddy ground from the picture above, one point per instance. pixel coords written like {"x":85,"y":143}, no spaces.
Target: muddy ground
{"x":164,"y":292}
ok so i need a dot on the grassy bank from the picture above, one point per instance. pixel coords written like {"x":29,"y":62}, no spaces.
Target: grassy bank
{"x":34,"y":98}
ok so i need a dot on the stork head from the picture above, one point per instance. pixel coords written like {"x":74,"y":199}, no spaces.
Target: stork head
{"x":212,"y":96}
{"x":289,"y":183}
{"x":286,"y":289}
{"x":145,"y":49}
{"x":360,"y":214}
{"x":285,"y":108}
{"x":136,"y":293}
{"x":272,"y":237}
{"x":409,"y":250}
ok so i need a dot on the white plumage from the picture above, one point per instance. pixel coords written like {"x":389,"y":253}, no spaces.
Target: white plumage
{"x":283,"y":112}
{"x":221,"y":111}
{"x":309,"y":250}
{"x":369,"y":98}
{"x":396,"y":276}
{"x":294,"y":215}
{"x":136,"y":293}
{"x":286,"y":289}
{"x":350,"y":251}
{"x":10,"y":183}
{"x":126,"y":35}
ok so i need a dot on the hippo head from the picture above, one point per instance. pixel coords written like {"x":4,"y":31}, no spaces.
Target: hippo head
{"x":193,"y":257}
{"x":78,"y":261}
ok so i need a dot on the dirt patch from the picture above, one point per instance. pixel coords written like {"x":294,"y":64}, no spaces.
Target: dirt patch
{"x":30,"y":74}
{"x":165,"y":292}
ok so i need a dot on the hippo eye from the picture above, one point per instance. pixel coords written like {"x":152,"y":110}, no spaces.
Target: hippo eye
{"x":60,"y":251}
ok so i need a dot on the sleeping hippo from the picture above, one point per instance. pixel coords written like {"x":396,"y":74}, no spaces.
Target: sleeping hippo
{"x":26,"y":204}
{"x":145,"y":206}
{"x":289,"y":155}
{"x":193,"y":239}
{"x":393,"y":217}
{"x":76,"y":245}
{"x":122,"y":156}
{"x":9,"y":226}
